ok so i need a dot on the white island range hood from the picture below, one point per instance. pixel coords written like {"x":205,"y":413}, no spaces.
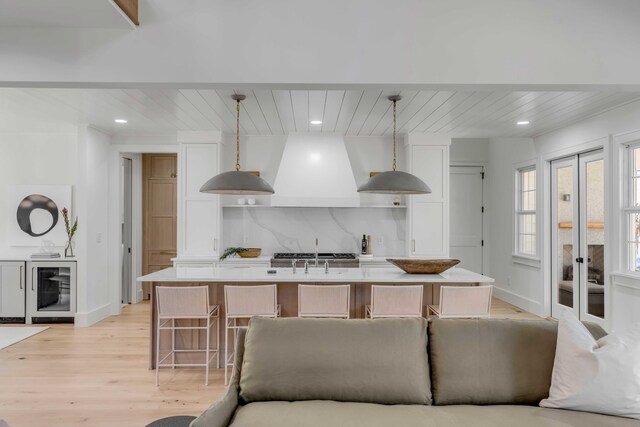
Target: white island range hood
{"x":315,"y":171}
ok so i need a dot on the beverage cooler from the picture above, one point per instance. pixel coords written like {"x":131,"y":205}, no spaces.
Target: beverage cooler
{"x":51,"y":291}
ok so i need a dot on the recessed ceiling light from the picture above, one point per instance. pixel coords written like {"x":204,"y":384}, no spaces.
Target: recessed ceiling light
{"x":120,"y":121}
{"x":523,"y":122}
{"x":316,"y":122}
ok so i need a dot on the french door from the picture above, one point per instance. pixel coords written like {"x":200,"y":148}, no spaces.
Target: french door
{"x":577,"y":224}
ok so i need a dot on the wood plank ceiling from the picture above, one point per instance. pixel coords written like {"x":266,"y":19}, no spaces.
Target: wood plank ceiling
{"x":352,"y":112}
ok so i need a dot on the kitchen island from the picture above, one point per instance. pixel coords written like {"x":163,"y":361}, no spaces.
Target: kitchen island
{"x":361,"y":280}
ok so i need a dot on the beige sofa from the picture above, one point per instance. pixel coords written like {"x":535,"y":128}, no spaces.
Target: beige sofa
{"x":394,"y":372}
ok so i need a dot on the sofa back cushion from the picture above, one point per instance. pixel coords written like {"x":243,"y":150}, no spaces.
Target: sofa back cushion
{"x":492,"y":361}
{"x":378,"y":361}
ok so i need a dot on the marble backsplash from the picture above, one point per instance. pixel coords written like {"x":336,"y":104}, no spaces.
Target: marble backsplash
{"x":295,"y":229}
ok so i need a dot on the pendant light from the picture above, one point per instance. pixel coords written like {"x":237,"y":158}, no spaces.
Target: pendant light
{"x":237,"y":182}
{"x":393,"y":181}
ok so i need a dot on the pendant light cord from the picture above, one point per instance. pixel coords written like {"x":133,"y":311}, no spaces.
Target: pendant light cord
{"x":394,"y":135}
{"x":237,"y":135}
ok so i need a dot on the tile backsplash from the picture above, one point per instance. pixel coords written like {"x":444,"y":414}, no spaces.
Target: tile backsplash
{"x":279,"y":229}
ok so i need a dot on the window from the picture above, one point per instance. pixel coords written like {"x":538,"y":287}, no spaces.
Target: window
{"x":632,"y":207}
{"x":526,"y":243}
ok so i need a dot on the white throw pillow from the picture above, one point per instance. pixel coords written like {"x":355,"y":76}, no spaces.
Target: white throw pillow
{"x":596,"y":376}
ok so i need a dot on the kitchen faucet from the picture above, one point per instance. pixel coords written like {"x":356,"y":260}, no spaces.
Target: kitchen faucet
{"x":293,"y":265}
{"x":316,"y":251}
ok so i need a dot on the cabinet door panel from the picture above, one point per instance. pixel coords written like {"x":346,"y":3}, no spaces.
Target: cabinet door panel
{"x":12,"y":289}
{"x":201,"y":162}
{"x":429,"y":213}
{"x":201,"y":228}
{"x":428,"y":230}
{"x":429,"y":163}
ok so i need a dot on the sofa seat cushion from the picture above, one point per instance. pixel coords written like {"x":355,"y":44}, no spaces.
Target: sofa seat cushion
{"x":318,"y":413}
{"x":378,"y":361}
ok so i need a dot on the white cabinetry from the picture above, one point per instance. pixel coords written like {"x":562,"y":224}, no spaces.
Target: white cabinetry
{"x":12,"y":289}
{"x":198,"y":213}
{"x":428,"y":231}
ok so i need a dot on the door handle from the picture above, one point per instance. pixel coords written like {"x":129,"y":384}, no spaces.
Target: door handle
{"x":21,"y":277}
{"x":413,"y":245}
{"x":33,"y":269}
{"x":580,"y":260}
{"x":215,"y":244}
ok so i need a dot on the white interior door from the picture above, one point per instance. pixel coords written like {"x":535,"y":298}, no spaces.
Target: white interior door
{"x":577,"y":219}
{"x":126,"y":221}
{"x":466,"y":239}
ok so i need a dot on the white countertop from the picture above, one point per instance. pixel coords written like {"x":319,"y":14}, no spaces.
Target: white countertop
{"x":337,"y":275}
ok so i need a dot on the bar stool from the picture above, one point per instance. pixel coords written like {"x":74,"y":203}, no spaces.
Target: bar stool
{"x":324,"y":301}
{"x":463,"y":301}
{"x":395,"y":301}
{"x":245,"y":302}
{"x":186,"y":302}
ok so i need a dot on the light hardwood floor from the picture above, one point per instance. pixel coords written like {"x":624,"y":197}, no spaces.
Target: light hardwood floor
{"x":99,"y":376}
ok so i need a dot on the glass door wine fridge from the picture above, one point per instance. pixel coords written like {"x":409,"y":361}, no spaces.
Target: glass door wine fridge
{"x":51,"y":291}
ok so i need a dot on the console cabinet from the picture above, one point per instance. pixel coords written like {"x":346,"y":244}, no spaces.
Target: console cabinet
{"x":12,"y":290}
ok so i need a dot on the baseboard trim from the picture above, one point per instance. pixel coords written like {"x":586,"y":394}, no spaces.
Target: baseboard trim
{"x":519,"y":301}
{"x":82,"y":320}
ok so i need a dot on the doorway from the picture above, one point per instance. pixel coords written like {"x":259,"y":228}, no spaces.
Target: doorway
{"x":467,"y":210}
{"x":577,"y":236}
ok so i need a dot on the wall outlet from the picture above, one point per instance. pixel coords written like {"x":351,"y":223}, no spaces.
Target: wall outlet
{"x":99,"y":238}
{"x":245,"y":240}
{"x":380,"y":240}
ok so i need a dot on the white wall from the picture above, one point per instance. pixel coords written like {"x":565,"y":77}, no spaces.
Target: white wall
{"x":33,"y":158}
{"x":516,"y":282}
{"x":94,"y":289}
{"x":337,"y":42}
{"x":470,"y":151}
{"x":527,"y":286}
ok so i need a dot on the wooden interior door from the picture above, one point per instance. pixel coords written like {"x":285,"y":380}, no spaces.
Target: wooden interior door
{"x":159,"y":213}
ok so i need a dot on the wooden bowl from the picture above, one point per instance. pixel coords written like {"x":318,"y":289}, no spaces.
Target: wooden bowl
{"x":423,"y":266}
{"x":250,"y":253}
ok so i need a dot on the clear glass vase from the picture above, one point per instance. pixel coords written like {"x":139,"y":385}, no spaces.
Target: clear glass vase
{"x":68,"y":250}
